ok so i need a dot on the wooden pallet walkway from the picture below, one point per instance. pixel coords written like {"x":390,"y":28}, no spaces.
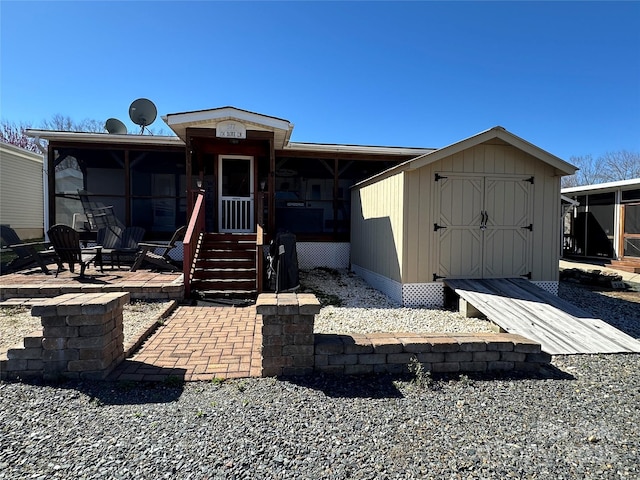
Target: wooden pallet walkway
{"x":518,"y":306}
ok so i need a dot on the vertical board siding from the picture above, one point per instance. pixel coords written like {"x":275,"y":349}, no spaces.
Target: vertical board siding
{"x":377,"y":220}
{"x":21,"y":191}
{"x":421,"y":255}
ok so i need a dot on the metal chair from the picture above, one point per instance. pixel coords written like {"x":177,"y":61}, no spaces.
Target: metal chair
{"x":66,"y":243}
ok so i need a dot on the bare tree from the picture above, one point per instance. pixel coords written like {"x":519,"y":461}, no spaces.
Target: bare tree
{"x":622,"y":165}
{"x":65,"y":124}
{"x":13,"y":133}
{"x":589,"y":172}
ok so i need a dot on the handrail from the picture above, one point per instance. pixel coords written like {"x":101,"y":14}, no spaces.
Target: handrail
{"x":259,"y":257}
{"x":190,"y":242}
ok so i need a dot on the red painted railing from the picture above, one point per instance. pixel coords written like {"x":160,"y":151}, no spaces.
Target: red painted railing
{"x":190,"y":243}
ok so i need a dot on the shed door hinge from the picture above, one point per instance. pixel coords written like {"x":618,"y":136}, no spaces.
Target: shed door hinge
{"x":530,"y":180}
{"x":437,"y":277}
{"x":528,"y":275}
{"x":437,"y":227}
{"x":438,"y":177}
{"x":529,"y":227}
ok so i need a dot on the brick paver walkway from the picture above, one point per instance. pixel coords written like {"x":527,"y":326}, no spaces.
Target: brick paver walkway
{"x":199,"y":343}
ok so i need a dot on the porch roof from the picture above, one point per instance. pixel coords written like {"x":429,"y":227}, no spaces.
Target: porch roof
{"x":179,"y":122}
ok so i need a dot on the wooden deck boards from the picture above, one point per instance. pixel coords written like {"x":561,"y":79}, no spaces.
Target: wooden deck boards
{"x":518,"y":306}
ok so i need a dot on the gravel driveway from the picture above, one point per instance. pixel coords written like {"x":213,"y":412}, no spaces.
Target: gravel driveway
{"x":578,"y":419}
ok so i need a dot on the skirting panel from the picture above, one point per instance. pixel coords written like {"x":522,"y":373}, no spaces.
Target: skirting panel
{"x":423,"y":295}
{"x":551,"y":287}
{"x":323,"y":254}
{"x":390,"y":288}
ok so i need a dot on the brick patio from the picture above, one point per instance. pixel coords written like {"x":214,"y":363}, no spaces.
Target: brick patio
{"x":199,"y":344}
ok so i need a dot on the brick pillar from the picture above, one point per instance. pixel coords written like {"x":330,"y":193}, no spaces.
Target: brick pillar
{"x":287,"y":332}
{"x":82,"y":334}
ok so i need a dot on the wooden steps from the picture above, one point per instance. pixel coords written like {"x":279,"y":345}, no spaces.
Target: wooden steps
{"x":632,"y":266}
{"x":226,"y":266}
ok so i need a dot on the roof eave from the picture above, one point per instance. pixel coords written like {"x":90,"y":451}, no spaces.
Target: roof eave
{"x":104,"y":138}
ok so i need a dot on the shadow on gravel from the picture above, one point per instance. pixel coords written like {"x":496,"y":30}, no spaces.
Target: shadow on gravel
{"x":385,"y":385}
{"x":349,"y":386}
{"x":102,"y":392}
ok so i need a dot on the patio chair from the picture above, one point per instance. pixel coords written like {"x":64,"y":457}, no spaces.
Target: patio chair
{"x":127,"y":247}
{"x":98,"y":215}
{"x":26,"y":253}
{"x":66,"y":243}
{"x":160,"y":260}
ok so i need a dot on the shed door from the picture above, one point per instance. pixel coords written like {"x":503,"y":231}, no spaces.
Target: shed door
{"x":484,"y":227}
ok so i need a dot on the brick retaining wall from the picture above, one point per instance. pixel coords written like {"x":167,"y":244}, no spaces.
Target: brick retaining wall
{"x":82,"y":337}
{"x":290,"y":347}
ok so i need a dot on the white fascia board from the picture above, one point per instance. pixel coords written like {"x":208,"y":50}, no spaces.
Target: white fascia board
{"x":495,"y":132}
{"x":220,"y":114}
{"x":105,"y":138}
{"x":633,"y":182}
{"x":335,"y":148}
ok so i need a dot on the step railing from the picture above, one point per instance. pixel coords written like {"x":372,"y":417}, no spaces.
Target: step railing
{"x":191,"y":242}
{"x":259,"y":257}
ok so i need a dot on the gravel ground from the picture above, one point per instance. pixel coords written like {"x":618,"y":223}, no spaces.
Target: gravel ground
{"x":577,"y":419}
{"x":16,"y":322}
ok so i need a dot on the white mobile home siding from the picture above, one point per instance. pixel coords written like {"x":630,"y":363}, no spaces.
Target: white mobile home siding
{"x":21,"y":191}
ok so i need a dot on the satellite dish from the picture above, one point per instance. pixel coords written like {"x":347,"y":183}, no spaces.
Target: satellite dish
{"x":115,"y":126}
{"x":142,"y":112}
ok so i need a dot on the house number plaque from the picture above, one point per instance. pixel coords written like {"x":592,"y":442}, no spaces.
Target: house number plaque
{"x":231,"y":129}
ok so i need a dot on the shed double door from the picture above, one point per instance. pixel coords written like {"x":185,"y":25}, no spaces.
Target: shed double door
{"x":484,"y":227}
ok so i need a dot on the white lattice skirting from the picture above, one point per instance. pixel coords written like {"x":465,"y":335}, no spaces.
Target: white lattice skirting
{"x":323,"y":254}
{"x":551,"y":287}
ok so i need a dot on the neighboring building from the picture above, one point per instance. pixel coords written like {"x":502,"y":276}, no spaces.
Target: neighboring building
{"x":253,"y":174}
{"x":605,"y":225}
{"x":21,"y":193}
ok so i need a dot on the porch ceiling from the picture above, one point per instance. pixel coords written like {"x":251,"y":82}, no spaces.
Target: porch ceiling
{"x":179,"y":122}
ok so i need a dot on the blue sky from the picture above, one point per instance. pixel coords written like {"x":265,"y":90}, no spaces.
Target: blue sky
{"x":563,"y":75}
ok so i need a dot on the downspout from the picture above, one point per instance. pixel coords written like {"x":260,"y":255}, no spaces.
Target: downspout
{"x":45,"y":183}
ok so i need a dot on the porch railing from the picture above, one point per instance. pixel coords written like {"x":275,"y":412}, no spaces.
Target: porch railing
{"x":191,"y":242}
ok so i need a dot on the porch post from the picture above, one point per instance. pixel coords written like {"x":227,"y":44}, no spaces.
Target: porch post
{"x":271,"y":194}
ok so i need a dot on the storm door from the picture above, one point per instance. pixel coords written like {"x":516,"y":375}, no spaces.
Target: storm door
{"x":484,"y":226}
{"x":236,"y":202}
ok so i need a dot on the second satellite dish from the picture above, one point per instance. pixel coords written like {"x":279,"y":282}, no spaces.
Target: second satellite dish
{"x":142,"y":112}
{"x":113,"y":125}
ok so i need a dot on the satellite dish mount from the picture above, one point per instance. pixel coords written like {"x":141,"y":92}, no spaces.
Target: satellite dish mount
{"x":143,"y":113}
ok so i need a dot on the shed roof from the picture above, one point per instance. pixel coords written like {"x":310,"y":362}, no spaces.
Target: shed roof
{"x":562,"y":167}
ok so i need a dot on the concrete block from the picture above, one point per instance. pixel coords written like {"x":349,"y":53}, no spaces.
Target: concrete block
{"x":326,"y":344}
{"x":298,"y":350}
{"x":297,"y":370}
{"x":458,"y":356}
{"x":303,"y":361}
{"x":542,"y":357}
{"x":59,"y":355}
{"x":359,"y":369}
{"x":499,"y":366}
{"x":513,"y":356}
{"x":87,"y":365}
{"x":400,"y":358}
{"x":88,"y":342}
{"x":24,"y":353}
{"x":430,"y":357}
{"x":445,"y":367}
{"x":67,"y":332}
{"x":486,"y":356}
{"x":321,"y":360}
{"x":473,"y":366}
{"x":372,"y":358}
{"x":343,"y":359}
{"x":330,"y":369}
{"x":387,"y":345}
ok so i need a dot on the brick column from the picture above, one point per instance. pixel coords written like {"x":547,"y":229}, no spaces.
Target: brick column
{"x":82,"y":334}
{"x":287,"y":332}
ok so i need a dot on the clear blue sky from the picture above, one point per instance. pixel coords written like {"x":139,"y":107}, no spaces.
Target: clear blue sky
{"x":565,"y":76}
